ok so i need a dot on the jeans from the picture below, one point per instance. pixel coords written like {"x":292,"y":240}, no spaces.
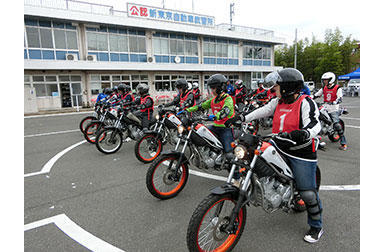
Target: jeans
{"x":305,"y":177}
{"x":335,"y":119}
{"x":225,"y":136}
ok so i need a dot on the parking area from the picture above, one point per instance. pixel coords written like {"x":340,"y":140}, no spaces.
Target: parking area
{"x":79,"y":199}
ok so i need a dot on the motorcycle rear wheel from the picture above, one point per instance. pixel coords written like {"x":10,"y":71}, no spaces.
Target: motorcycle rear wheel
{"x":106,"y":144}
{"x":205,"y":229}
{"x":148,"y":144}
{"x":159,"y":180}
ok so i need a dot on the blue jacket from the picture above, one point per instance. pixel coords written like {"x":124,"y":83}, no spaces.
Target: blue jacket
{"x":305,"y":90}
{"x":101,"y":96}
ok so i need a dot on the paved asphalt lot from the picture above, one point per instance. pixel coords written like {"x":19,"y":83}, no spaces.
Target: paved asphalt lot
{"x":101,"y":200}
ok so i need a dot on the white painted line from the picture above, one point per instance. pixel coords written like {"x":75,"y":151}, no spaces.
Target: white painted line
{"x":340,"y":188}
{"x":350,"y":118}
{"x":48,"y":166}
{"x":352,"y":126}
{"x":52,"y":133}
{"x":58,"y":114}
{"x":75,"y":232}
{"x":323,"y":187}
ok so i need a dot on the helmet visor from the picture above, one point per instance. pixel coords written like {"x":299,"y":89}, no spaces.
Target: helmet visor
{"x":271,"y":80}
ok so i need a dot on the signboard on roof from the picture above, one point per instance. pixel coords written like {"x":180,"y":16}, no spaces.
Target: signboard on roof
{"x":155,"y":13}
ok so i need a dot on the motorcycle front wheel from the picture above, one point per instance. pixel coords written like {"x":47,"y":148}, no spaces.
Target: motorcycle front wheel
{"x":109,"y":141}
{"x":208,"y":222}
{"x":91,"y":131}
{"x":148,"y":148}
{"x":85,"y":122}
{"x":163,"y":180}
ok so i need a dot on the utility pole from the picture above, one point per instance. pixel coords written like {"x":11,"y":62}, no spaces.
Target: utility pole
{"x":295,"y":61}
{"x":193,"y":6}
{"x":231,"y":12}
{"x":163,"y":4}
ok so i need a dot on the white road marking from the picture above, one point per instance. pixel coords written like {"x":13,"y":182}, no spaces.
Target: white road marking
{"x":323,"y":187}
{"x":75,"y":232}
{"x":350,"y":118}
{"x":48,"y":166}
{"x":59,"y":114}
{"x":352,"y":126}
{"x":52,"y":133}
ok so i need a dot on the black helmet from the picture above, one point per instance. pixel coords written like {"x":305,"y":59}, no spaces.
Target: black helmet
{"x":217,"y":81}
{"x":122,"y":87}
{"x":181,"y":83}
{"x":291,"y":81}
{"x":142,"y":88}
{"x":107,"y":91}
{"x":114,"y":89}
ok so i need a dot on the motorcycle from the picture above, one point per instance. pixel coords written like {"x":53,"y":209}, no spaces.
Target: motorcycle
{"x":267,"y":181}
{"x":327,"y":125}
{"x":109,"y":139}
{"x":168,"y":173}
{"x":150,"y":145}
{"x":107,"y":118}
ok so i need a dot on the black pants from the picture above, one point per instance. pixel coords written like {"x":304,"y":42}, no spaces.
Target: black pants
{"x":145,"y":119}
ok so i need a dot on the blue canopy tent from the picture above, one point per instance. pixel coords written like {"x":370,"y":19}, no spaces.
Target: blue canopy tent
{"x":354,"y":75}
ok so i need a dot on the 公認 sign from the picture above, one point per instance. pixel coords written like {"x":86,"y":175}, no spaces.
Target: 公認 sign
{"x":148,"y":12}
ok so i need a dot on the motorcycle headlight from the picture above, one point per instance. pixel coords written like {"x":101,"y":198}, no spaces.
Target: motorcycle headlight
{"x":157,"y":117}
{"x":246,"y":102}
{"x":240,"y":152}
{"x":180,"y":129}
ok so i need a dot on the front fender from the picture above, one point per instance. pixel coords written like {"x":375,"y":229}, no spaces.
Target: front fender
{"x":176,"y":154}
{"x":225,"y":189}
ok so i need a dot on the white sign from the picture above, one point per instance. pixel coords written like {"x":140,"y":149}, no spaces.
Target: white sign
{"x":142,"y":11}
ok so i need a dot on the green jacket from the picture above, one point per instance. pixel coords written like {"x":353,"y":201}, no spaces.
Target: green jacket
{"x":207,"y":105}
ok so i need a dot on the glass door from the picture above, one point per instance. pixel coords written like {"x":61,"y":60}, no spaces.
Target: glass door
{"x":76,"y":94}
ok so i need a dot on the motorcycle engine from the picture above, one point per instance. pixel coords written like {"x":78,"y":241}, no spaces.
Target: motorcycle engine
{"x":275,"y":192}
{"x":135,"y":131}
{"x":210,"y":158}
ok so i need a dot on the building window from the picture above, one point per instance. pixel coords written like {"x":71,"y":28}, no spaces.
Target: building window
{"x":169,"y":45}
{"x":99,"y":82}
{"x":220,"y":51}
{"x":116,"y":44}
{"x":49,"y":40}
{"x":166,"y":82}
{"x":256,"y":54}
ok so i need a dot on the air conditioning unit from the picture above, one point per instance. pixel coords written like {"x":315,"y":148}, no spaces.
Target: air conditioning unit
{"x":71,"y":56}
{"x":177,"y":60}
{"x":91,"y":57}
{"x":151,"y":60}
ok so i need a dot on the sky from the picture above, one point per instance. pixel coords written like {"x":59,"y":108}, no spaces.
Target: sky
{"x":309,"y":17}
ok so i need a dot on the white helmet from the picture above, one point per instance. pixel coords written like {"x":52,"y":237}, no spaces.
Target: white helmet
{"x":328,"y":76}
{"x":195,"y":85}
{"x":189,"y":86}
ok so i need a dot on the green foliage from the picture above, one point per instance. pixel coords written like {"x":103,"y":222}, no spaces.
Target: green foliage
{"x":314,"y":58}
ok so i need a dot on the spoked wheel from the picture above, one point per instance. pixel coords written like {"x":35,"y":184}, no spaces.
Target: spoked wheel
{"x":85,"y":122}
{"x":163,"y":180}
{"x":148,"y":148}
{"x":206,"y":229}
{"x":109,"y":141}
{"x":91,"y":131}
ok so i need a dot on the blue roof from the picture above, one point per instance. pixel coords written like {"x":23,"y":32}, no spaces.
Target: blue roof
{"x":354,"y":75}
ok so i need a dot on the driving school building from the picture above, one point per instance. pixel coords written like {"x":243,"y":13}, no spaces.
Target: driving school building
{"x":72,"y":50}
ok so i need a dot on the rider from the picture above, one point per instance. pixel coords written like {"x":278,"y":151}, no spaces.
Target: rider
{"x":240,"y":92}
{"x":223,"y":109}
{"x":231,"y":92}
{"x":196,"y":92}
{"x":103,"y":95}
{"x":144,"y":104}
{"x":332,"y":98}
{"x":185,"y":97}
{"x":125,"y":93}
{"x":295,"y":120}
{"x":305,"y":90}
{"x":260,"y":93}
